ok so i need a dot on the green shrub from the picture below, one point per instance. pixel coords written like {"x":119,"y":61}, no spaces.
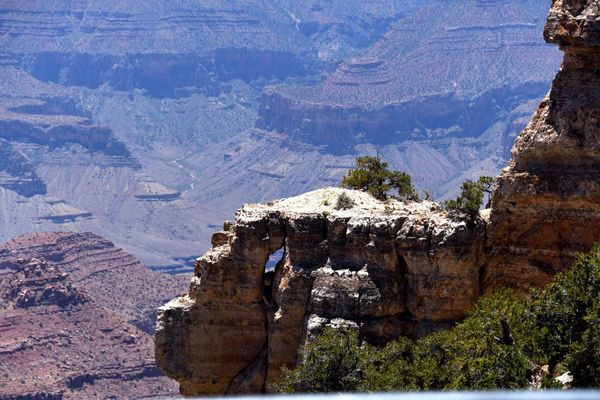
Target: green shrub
{"x":330,"y":363}
{"x":471,"y":197}
{"x":566,"y":316}
{"x":344,"y":202}
{"x":467,"y":357}
{"x":373,"y":176}
{"x":559,"y":326}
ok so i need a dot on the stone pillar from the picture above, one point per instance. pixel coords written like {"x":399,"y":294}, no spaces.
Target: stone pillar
{"x":546,"y":208}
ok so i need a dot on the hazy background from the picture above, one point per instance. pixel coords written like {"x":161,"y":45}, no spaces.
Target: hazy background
{"x":151,"y":122}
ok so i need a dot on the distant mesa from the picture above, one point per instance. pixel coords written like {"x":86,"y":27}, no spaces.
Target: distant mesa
{"x":77,"y":314}
{"x":59,"y":212}
{"x":147,"y":189}
{"x":26,"y":125}
{"x":434,"y":77}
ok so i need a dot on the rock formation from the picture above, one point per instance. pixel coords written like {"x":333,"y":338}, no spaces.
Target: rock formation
{"x":547,"y":205}
{"x":57,"y":341}
{"x":76,"y":318}
{"x":118,"y":281}
{"x":17,"y":173}
{"x":413,"y":84}
{"x":390,"y":269}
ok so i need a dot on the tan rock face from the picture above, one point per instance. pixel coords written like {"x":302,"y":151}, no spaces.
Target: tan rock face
{"x":386,"y":269}
{"x":547,"y":205}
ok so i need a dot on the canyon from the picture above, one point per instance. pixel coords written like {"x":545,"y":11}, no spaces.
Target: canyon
{"x":388,"y":268}
{"x":149,"y":123}
{"x":76,"y":319}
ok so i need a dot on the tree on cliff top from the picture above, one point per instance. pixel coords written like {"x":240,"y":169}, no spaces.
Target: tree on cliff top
{"x":373,"y":176}
{"x":471,"y":197}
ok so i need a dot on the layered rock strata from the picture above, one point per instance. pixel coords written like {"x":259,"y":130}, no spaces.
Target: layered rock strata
{"x":17,"y":173}
{"x":547,"y":205}
{"x":118,"y":281}
{"x":387,"y":269}
{"x":394,"y":269}
{"x":57,"y":341}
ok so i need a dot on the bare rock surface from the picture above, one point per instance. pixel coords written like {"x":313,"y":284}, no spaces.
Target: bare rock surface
{"x":76,"y":319}
{"x":546,"y":208}
{"x":118,"y":280}
{"x":387,"y":268}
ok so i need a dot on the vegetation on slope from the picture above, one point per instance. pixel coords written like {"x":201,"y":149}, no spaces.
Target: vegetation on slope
{"x":505,"y":343}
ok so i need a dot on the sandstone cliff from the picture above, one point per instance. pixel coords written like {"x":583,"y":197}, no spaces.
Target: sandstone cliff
{"x":394,"y":269}
{"x":388,"y":269}
{"x":547,"y":205}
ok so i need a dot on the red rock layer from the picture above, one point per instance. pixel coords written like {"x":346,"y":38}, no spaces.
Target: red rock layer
{"x":75,"y":321}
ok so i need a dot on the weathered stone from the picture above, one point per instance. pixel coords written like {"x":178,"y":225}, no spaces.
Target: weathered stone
{"x":77,"y":319}
{"x":388,"y":269}
{"x":574,"y":23}
{"x":546,"y":207}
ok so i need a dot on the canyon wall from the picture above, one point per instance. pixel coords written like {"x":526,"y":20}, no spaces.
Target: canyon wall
{"x":390,"y":269}
{"x":442,"y":78}
{"x":76,"y":321}
{"x":547,"y":205}
{"x":150,"y":117}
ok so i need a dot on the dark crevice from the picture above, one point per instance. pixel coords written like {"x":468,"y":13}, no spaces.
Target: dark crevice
{"x":272,"y":273}
{"x":239,"y":384}
{"x":273,"y":264}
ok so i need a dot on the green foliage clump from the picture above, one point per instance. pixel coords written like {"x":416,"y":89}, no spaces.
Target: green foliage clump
{"x":467,"y":357}
{"x":471,"y":197}
{"x":344,"y":202}
{"x":566,"y":316}
{"x":500,"y":345}
{"x":330,"y":363}
{"x":373,"y":176}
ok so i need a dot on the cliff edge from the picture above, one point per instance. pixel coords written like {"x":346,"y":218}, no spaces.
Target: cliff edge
{"x":390,"y":269}
{"x":385,"y":268}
